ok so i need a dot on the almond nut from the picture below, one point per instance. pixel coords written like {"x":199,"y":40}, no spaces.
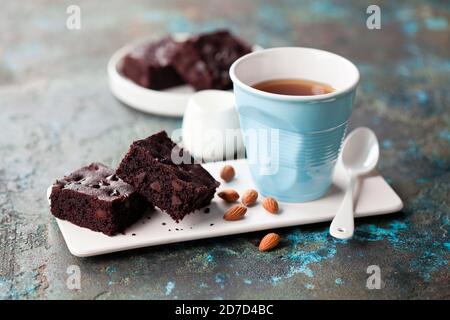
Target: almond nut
{"x":249,"y":197}
{"x":270,"y":204}
{"x":227,"y":173}
{"x":229,"y":195}
{"x":270,"y":241}
{"x":236,"y":212}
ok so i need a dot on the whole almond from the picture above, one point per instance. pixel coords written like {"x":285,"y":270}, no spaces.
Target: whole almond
{"x":270,"y":204}
{"x":229,"y":195}
{"x":227,"y":173}
{"x":236,"y":212}
{"x":270,"y":241}
{"x":249,"y":197}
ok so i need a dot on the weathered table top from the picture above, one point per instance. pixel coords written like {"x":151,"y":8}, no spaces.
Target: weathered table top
{"x":57,"y":114}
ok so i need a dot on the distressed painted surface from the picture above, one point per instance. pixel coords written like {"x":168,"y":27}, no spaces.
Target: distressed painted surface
{"x":57,"y":114}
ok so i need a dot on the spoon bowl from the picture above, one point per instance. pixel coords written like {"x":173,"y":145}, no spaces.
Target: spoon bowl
{"x":361,"y":151}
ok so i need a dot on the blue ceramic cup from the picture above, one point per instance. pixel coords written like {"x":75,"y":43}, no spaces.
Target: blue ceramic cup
{"x":293,"y":142}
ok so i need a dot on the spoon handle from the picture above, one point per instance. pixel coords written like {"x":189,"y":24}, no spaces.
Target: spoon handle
{"x":342,"y":226}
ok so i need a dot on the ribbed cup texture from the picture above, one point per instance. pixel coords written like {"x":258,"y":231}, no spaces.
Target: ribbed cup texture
{"x":299,"y":150}
{"x":292,"y":166}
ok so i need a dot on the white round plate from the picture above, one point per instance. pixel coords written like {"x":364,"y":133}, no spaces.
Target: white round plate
{"x":169,"y":102}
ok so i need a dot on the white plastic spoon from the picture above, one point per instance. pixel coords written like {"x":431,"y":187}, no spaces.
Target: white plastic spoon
{"x":360,"y":154}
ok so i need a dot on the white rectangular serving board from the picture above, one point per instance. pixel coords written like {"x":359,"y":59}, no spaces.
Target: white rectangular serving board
{"x":373,"y":197}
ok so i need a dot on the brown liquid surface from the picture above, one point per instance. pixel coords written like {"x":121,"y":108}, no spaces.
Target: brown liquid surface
{"x":294,"y":87}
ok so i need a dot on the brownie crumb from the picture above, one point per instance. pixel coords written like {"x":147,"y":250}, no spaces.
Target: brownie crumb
{"x":211,"y":224}
{"x":206,"y":210}
{"x":133,"y":234}
{"x":163,"y":223}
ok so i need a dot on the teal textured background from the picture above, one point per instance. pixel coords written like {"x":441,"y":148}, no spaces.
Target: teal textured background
{"x":57,"y":113}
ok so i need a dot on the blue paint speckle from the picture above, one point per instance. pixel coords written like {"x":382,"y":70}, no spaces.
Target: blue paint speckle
{"x":423,"y":180}
{"x":220,"y":279}
{"x":410,"y":28}
{"x":436,"y":23}
{"x":309,"y":248}
{"x":273,"y":14}
{"x":422,"y":96}
{"x":372,"y":232}
{"x":376,"y":120}
{"x":329,"y":9}
{"x":5,"y":289}
{"x":445,"y":134}
{"x":319,"y":248}
{"x":23,"y":52}
{"x":179,"y":23}
{"x":428,"y":263}
{"x":169,"y":287}
{"x":209,"y":258}
{"x":404,"y":14}
{"x":309,"y":286}
{"x":387,"y":143}
{"x":110,"y":270}
{"x":446,"y":221}
{"x":275,"y":280}
{"x":153,"y":15}
{"x":28,"y":289}
{"x":413,"y":149}
{"x":403,"y":71}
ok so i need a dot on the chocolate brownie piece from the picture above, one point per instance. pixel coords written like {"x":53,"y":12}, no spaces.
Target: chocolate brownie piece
{"x":95,"y":198}
{"x":150,"y":65}
{"x":153,"y":167}
{"x":204,"y":61}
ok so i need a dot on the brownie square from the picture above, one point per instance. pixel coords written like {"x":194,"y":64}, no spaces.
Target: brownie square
{"x":95,"y":198}
{"x":204,"y":61}
{"x":177,"y":188}
{"x":150,"y":65}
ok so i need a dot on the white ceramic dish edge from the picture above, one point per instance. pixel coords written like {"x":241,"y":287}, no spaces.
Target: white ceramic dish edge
{"x":83,"y":242}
